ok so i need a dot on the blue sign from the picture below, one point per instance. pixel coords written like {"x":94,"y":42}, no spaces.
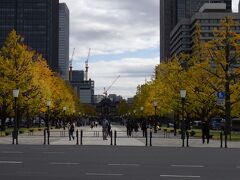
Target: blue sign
{"x":220,"y":95}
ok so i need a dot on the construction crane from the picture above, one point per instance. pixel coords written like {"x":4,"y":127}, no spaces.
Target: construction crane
{"x":70,"y":65}
{"x":106,"y":90}
{"x":86,"y":65}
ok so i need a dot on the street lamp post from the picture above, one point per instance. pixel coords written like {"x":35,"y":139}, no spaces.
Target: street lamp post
{"x":183,"y":125}
{"x":15,"y":132}
{"x":64,"y":111}
{"x":155,"y":103}
{"x":48,"y":114}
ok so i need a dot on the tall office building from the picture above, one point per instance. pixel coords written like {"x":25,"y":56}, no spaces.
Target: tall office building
{"x":172,"y":12}
{"x":187,"y":8}
{"x":36,"y":21}
{"x":167,"y":22}
{"x":209,"y":17}
{"x":63,"y":54}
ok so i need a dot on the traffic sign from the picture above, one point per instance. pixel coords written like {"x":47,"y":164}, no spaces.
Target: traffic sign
{"x":220,"y":102}
{"x":220,"y":95}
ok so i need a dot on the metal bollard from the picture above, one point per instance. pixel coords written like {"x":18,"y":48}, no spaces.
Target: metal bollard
{"x":187,"y":134}
{"x":150,"y":142}
{"x":146,"y":139}
{"x":77,"y":138}
{"x":221,"y":140}
{"x":225,"y":140}
{"x":81,"y":137}
{"x":44,"y":136}
{"x":115,"y":138}
{"x":111,"y":138}
{"x":48,"y":136}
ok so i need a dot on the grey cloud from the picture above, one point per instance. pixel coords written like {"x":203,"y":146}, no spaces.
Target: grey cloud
{"x":113,"y":25}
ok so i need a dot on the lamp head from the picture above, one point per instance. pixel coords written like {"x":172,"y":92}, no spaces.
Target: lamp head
{"x":15,"y":93}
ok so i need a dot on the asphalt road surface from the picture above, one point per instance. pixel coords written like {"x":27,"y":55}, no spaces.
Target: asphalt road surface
{"x":27,"y":162}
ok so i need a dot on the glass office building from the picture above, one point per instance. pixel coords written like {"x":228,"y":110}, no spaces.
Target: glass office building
{"x":35,"y":20}
{"x":172,"y":12}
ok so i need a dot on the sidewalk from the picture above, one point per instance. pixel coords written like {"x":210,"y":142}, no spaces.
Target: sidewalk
{"x":94,"y":137}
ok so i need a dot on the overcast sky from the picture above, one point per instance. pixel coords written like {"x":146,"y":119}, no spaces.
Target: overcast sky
{"x":124,"y":39}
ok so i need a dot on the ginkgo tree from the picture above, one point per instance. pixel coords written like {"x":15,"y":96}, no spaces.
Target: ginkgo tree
{"x":28,"y":71}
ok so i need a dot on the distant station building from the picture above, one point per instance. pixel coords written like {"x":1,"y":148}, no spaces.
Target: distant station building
{"x":84,"y":89}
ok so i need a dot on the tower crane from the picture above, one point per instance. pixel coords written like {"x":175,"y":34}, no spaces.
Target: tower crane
{"x":70,"y":65}
{"x":106,"y":90}
{"x":86,"y":65}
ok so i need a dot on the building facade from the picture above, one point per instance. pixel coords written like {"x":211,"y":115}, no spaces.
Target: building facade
{"x":174,"y":11}
{"x":208,"y":17}
{"x":83,"y":89}
{"x":36,"y":21}
{"x":167,"y":23}
{"x":63,"y":51}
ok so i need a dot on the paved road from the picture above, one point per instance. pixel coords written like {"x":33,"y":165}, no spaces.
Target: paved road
{"x":117,"y":162}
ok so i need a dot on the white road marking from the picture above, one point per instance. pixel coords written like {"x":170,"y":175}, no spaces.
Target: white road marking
{"x":10,"y":162}
{"x":178,"y":176}
{"x":102,"y":174}
{"x":62,"y":163}
{"x":12,"y":152}
{"x":238,"y":167}
{"x":32,"y":172}
{"x":123,"y":164}
{"x":190,"y":166}
{"x":53,"y":152}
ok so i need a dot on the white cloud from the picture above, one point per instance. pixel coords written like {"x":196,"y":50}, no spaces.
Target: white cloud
{"x":235,"y":5}
{"x":113,"y":26}
{"x":110,"y":27}
{"x":132,"y":73}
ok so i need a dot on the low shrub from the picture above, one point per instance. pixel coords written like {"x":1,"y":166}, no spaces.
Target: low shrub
{"x":7,"y":133}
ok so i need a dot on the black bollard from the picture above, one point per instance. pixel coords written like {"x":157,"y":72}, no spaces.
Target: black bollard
{"x":146,"y":139}
{"x":225,"y":140}
{"x":44,"y":136}
{"x":81,"y":136}
{"x":115,"y":138}
{"x":111,"y":138}
{"x":48,"y":136}
{"x":77,"y":137}
{"x":221,"y":140}
{"x":187,"y":134}
{"x":150,"y":142}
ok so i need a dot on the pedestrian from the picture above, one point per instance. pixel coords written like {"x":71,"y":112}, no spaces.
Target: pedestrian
{"x":105,"y":128}
{"x":71,"y":130}
{"x":109,"y":129}
{"x":205,"y":130}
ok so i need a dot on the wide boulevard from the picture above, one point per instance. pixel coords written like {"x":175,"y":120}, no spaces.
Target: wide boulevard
{"x":114,"y":162}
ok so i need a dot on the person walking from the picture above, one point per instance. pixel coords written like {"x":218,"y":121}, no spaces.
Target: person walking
{"x":71,"y":130}
{"x":105,"y":128}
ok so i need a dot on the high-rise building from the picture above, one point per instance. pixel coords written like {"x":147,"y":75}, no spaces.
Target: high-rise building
{"x":63,"y":55}
{"x":208,"y":17}
{"x":36,"y":21}
{"x":172,"y":12}
{"x":167,"y":22}
{"x":187,"y":8}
